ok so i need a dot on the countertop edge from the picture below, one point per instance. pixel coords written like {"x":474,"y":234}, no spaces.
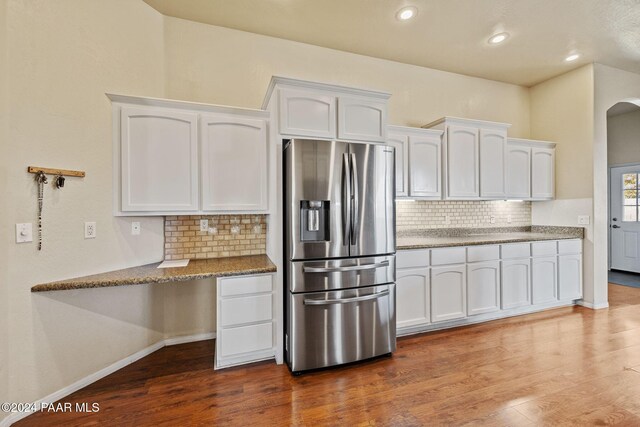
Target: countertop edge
{"x":484,"y":242}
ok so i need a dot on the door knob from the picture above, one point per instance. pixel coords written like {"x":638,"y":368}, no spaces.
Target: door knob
{"x":615,"y":226}
{"x":614,"y":219}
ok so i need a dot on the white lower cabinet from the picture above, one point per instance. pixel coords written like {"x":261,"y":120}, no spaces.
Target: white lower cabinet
{"x":448,"y":292}
{"x":245,"y":328}
{"x":544,"y":279}
{"x":483,"y":287}
{"x":570,"y":277}
{"x":412,"y":297}
{"x":516,"y":283}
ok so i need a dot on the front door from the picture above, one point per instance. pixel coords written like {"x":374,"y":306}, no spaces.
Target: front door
{"x":625,"y":218}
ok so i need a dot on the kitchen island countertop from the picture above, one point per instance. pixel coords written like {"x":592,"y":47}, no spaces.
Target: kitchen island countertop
{"x":150,"y":273}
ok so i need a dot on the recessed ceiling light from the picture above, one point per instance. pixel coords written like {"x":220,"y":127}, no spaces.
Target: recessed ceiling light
{"x":498,"y":38}
{"x":406,"y":13}
{"x":572,"y":57}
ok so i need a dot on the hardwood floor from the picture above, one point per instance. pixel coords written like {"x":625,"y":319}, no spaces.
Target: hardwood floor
{"x":568,"y":366}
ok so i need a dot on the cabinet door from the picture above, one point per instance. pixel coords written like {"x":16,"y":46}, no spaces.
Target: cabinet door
{"x":361,"y":119}
{"x":234,"y":169}
{"x":159,"y":160}
{"x":448,"y":293}
{"x":493,"y":163}
{"x":518,"y":172}
{"x":400,"y":142}
{"x":412,"y":297}
{"x":425,"y":171}
{"x":462,"y":163}
{"x":483,"y":287}
{"x":542,"y":173}
{"x":516,"y":283}
{"x":570,"y":277}
{"x":305,"y":113}
{"x":544,"y":278}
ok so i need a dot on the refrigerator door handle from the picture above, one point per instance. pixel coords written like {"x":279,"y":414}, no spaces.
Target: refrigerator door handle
{"x":355,"y":227}
{"x":346,"y":198}
{"x":345,"y":300}
{"x":381,"y":264}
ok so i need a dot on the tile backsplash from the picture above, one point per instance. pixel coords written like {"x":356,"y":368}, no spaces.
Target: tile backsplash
{"x":183,"y":238}
{"x":468,"y":214}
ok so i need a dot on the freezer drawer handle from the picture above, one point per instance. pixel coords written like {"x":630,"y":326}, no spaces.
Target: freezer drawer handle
{"x":345,"y":300}
{"x":384,"y":263}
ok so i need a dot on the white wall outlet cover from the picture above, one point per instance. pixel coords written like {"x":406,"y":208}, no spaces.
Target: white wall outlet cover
{"x":584,"y":219}
{"x":447,"y":219}
{"x":90,"y":230}
{"x":204,"y":225}
{"x":492,"y":220}
{"x":135,"y":228}
{"x":24,"y":232}
{"x":509,"y":218}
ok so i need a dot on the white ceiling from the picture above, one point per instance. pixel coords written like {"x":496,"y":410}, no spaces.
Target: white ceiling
{"x":448,"y":35}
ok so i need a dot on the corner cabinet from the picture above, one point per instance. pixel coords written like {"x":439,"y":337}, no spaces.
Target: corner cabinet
{"x":179,"y":157}
{"x":325,"y":111}
{"x":418,"y":156}
{"x":158,"y":160}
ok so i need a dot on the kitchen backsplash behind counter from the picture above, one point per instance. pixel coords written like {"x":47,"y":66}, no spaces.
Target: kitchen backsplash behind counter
{"x":183,"y":238}
{"x":422,"y":214}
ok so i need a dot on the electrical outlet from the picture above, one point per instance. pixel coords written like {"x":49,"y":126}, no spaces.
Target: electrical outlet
{"x":509,"y":219}
{"x":204,"y":225}
{"x":492,"y":220}
{"x":135,"y":228}
{"x":447,"y":219}
{"x":583,"y":219}
{"x":24,"y":233}
{"x":89,"y":230}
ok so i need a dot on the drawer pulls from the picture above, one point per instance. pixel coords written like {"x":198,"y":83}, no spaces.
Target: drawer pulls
{"x":384,"y":263}
{"x":345,"y":300}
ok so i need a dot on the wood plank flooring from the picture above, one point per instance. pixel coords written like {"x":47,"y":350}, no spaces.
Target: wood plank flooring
{"x":568,"y":366}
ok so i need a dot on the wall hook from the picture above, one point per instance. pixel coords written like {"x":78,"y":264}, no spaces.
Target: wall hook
{"x":59,"y":181}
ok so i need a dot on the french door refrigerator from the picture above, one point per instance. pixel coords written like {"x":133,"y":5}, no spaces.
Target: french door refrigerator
{"x":339,"y":244}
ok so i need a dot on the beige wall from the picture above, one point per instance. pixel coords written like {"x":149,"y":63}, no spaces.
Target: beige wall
{"x":223,"y":66}
{"x":623,"y":138}
{"x":562,"y":111}
{"x":62,"y":57}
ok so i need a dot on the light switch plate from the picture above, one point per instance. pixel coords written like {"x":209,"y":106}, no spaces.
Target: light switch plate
{"x":492,"y":220}
{"x":204,"y":225}
{"x":135,"y":228}
{"x":509,"y":219}
{"x":584,"y":219}
{"x":24,"y":233}
{"x":89,"y":230}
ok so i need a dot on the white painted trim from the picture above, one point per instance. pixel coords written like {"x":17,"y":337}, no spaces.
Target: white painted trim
{"x":592,"y":305}
{"x":91,"y":378}
{"x":459,"y":121}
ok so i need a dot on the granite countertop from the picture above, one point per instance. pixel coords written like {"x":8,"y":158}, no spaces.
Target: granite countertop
{"x":446,"y":237}
{"x":197,"y":269}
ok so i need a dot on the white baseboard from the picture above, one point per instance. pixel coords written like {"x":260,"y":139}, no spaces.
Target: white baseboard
{"x":91,"y":378}
{"x":592,"y":305}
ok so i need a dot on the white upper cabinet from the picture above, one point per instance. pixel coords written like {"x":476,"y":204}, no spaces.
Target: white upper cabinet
{"x":317,"y":110}
{"x":158,"y":164}
{"x":474,"y":158}
{"x":518,"y":171}
{"x":234,"y":165}
{"x":362,"y":119}
{"x":165,"y":163}
{"x":463,"y":179}
{"x":493,"y":162}
{"x":307,"y":113}
{"x":542,"y":173}
{"x":400,"y":141}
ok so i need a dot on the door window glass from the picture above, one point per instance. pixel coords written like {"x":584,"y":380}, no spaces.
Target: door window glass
{"x":630,"y":191}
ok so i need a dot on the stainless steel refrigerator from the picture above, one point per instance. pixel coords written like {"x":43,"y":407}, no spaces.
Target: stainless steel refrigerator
{"x":339,"y":226}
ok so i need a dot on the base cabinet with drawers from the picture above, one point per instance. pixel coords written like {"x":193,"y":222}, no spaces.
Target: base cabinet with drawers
{"x":245,"y":328}
{"x":447,"y":287}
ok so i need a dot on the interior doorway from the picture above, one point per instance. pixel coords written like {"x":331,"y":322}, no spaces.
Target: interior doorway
{"x":623,"y":149}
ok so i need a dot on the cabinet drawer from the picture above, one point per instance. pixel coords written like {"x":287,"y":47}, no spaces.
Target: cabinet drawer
{"x":570,"y":246}
{"x":516,"y":250}
{"x":448,"y":256}
{"x":544,"y":248}
{"x":483,"y":253}
{"x":412,"y":258}
{"x":246,"y":339}
{"x":255,"y":308}
{"x":244,"y":285}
